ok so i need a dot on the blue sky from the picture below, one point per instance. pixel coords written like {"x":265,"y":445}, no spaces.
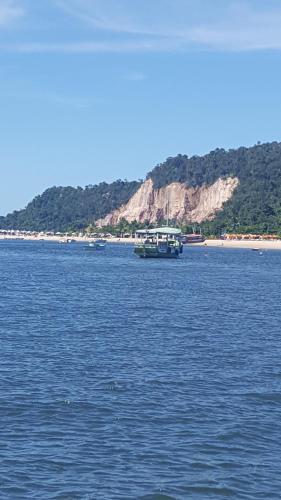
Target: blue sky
{"x":94,"y":90}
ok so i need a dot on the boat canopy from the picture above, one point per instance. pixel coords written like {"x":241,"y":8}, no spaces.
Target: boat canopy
{"x":142,"y":231}
{"x":160,"y":230}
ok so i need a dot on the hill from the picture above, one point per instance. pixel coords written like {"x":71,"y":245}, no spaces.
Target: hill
{"x":255,"y":204}
{"x":236,"y":190}
{"x":68,"y":208}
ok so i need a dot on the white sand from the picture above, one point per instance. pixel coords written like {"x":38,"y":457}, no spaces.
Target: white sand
{"x":251,"y":244}
{"x":259,"y":244}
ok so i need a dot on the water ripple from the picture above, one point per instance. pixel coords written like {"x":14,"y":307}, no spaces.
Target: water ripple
{"x":123,"y":378}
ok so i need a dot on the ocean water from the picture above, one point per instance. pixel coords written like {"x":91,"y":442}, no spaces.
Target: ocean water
{"x":124,"y":378}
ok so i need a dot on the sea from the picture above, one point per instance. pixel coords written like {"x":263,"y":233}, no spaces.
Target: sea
{"x":129,"y":378}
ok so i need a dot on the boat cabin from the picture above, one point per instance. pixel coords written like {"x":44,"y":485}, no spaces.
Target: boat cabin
{"x":159,"y":242}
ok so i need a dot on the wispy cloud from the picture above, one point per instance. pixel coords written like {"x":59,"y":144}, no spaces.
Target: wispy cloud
{"x":184,"y":24}
{"x":111,"y":26}
{"x":243,"y":29}
{"x":76,"y":103}
{"x":56,"y":99}
{"x":10,"y":10}
{"x":136,"y":76}
{"x":87,"y":47}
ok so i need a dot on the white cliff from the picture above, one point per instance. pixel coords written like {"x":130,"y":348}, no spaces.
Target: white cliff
{"x":176,"y":201}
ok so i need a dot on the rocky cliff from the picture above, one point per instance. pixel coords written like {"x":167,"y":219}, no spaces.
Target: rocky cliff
{"x":176,"y":201}
{"x":219,"y":190}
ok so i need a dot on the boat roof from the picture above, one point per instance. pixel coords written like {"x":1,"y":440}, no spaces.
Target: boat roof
{"x":160,"y":230}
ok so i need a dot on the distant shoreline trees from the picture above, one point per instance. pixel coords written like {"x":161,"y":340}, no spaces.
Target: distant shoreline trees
{"x":255,"y":206}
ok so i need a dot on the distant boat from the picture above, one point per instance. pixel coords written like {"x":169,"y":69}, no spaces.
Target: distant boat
{"x":67,"y":240}
{"x":162,"y":242}
{"x":258,"y":250}
{"x":96,"y":245}
{"x":193,"y":238}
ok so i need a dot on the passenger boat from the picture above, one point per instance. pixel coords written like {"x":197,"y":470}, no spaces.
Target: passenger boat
{"x":162,"y":242}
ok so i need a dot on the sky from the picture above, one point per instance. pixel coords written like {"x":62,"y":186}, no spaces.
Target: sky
{"x":97,"y":90}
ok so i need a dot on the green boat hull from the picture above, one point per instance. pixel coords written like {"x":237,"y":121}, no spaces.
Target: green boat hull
{"x":146,"y":251}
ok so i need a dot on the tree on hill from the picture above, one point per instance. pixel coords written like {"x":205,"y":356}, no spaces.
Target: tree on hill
{"x":255,"y":204}
{"x":68,"y":208}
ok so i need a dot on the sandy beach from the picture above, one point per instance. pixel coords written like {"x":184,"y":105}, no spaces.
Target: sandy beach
{"x":250,"y":244}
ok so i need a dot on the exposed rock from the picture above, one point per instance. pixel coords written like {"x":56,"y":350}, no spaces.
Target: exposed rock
{"x":175,"y":201}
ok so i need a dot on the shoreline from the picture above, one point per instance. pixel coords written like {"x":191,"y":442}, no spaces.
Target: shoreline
{"x":247,"y":244}
{"x":213,"y":243}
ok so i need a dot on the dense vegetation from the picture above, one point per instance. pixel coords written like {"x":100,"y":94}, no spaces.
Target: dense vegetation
{"x":256,"y":203}
{"x":68,"y":208}
{"x":255,"y":206}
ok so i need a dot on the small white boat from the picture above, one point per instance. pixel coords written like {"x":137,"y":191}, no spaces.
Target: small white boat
{"x":96,"y":245}
{"x":67,"y":240}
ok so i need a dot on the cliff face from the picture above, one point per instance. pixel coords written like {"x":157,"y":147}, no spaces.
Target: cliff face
{"x":177,"y":201}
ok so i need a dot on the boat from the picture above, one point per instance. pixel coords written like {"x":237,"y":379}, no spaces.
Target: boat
{"x":258,"y":250}
{"x":162,"y":242}
{"x":193,"y":238}
{"x":96,"y":245}
{"x":67,"y":240}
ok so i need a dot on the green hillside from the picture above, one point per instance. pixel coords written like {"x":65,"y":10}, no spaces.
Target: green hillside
{"x":254,"y":207}
{"x":68,"y":208}
{"x":256,"y":203}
